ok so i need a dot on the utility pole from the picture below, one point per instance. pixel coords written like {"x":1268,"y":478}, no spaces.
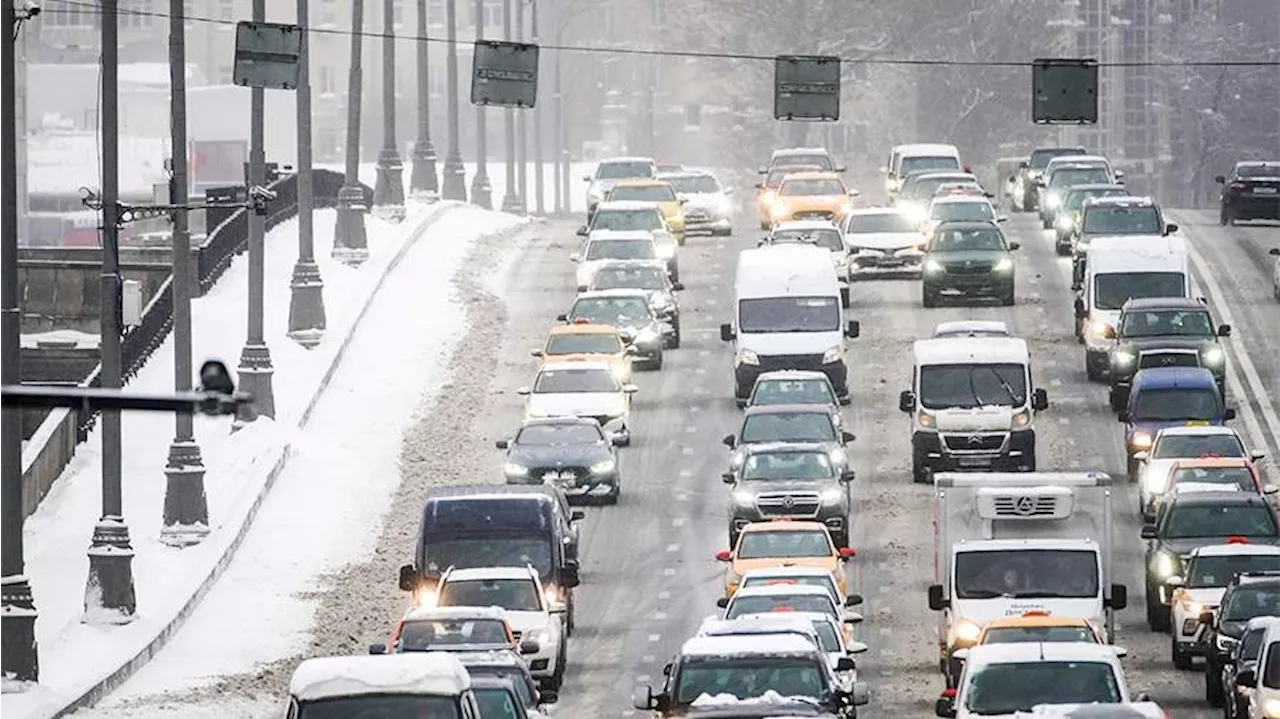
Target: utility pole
{"x":17,"y":606}
{"x":539,"y":179}
{"x":186,"y":508}
{"x":350,"y":244}
{"x":455,"y":175}
{"x":255,"y":368}
{"x":481,"y":189}
{"x":109,"y":596}
{"x":522,"y":126}
{"x":422,"y":177}
{"x":307,"y":320}
{"x":388,"y":191}
{"x":511,"y":201}
{"x":561,"y":178}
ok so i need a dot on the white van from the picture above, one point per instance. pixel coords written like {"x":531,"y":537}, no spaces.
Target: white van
{"x":1118,"y":269}
{"x":787,"y":315}
{"x":411,"y":684}
{"x":972,"y":404}
{"x":905,"y":159}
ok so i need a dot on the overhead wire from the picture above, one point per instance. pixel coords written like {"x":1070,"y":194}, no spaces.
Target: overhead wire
{"x":82,"y":6}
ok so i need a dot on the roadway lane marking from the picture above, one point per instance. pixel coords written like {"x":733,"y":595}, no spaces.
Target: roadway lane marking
{"x":642,"y":678}
{"x":655,"y":637}
{"x":658,"y":616}
{"x":686,"y":450}
{"x":682,"y":496}
{"x":647,"y":658}
{"x":677,"y":522}
{"x":1055,"y":382}
{"x":700,"y":370}
{"x":686,"y":473}
{"x":704,"y":353}
{"x":1064,"y":420}
{"x":664,"y":594}
{"x":669,"y":572}
{"x":691,"y":429}
{"x":673,"y":547}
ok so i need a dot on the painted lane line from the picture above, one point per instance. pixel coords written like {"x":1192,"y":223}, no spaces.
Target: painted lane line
{"x":677,"y":522}
{"x":647,"y":659}
{"x":669,"y":572}
{"x":691,"y":429}
{"x":673,"y":547}
{"x":664,"y":594}
{"x":658,"y":616}
{"x":682,"y":497}
{"x":687,"y":451}
{"x":686,"y":473}
{"x":642,"y":678}
{"x":655,"y":637}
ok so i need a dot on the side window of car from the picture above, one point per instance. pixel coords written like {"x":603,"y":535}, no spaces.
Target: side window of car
{"x":292,"y":711}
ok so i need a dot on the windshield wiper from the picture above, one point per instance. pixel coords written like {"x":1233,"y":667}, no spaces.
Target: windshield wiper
{"x":1033,"y":595}
{"x":981,"y":594}
{"x":1008,"y":389}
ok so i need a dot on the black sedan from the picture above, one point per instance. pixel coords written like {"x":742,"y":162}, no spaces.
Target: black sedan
{"x":968,"y":259}
{"x":650,"y":276}
{"x":1250,"y":192}
{"x":572,"y":453}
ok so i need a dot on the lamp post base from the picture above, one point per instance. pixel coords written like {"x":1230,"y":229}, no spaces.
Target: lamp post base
{"x":422,"y":174}
{"x":388,"y":189}
{"x":109,"y":597}
{"x":306,"y":304}
{"x":21,"y":661}
{"x":482,"y":190}
{"x":255,"y":373}
{"x":186,"y":508}
{"x":512,"y":203}
{"x":350,"y":244}
{"x":454,"y":180}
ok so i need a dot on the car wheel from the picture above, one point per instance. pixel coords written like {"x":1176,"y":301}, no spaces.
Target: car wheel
{"x":557,"y":680}
{"x":1118,"y":399}
{"x":1092,"y":369}
{"x":675,"y":340}
{"x":1157,"y":613}
{"x":1181,"y":660}
{"x":844,"y":297}
{"x":611,"y":499}
{"x":1009,"y":299}
{"x":655,"y":364}
{"x":919,"y":468}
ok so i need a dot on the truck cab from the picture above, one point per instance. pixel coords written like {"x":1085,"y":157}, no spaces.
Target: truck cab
{"x":972,"y":406}
{"x":1012,"y":543}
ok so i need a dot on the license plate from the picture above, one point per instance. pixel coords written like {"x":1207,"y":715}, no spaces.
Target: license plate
{"x":566,"y":477}
{"x":974,"y":462}
{"x":1264,"y":190}
{"x":1198,"y":423}
{"x":892,"y":263}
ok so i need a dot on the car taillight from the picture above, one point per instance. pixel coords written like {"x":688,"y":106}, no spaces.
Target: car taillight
{"x":1239,"y":185}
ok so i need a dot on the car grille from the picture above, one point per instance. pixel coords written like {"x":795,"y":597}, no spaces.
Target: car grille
{"x":974,"y":442}
{"x":573,"y":472}
{"x":697,"y":216}
{"x":769,"y":363}
{"x":788,"y":504}
{"x":1168,"y":359}
{"x":814,"y":215}
{"x":1024,"y":507}
{"x":970,"y":268}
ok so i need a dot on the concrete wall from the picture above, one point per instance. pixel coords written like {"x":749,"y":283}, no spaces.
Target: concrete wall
{"x":60,"y":285}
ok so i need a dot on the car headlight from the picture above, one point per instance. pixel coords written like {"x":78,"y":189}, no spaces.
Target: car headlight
{"x":917,"y":214}
{"x":838,"y":456}
{"x":934,"y":267}
{"x":744,"y":497}
{"x":1052,"y":200}
{"x":779,"y":210}
{"x":1224,"y":643}
{"x":1166,"y":565}
{"x":1099,"y":328}
{"x":1004,"y":265}
{"x":1123,"y":359}
{"x":833,"y":355}
{"x":925,"y":420}
{"x":1271,"y":708}
{"x":1140,"y":441}
{"x":607,"y":465}
{"x":1065,"y":222}
{"x":967,"y":632}
{"x":646,"y":335}
{"x":1213,"y":356}
{"x":747,"y":357}
{"x":832,"y":496}
{"x":1022,"y":419}
{"x":425,"y":598}
{"x":551,"y":593}
{"x":517,"y":470}
{"x":621,"y":371}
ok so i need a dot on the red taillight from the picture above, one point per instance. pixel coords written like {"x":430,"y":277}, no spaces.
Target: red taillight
{"x":1237,"y":540}
{"x":784,"y":609}
{"x":1239,"y":185}
{"x":949,"y":693}
{"x":581,"y":321}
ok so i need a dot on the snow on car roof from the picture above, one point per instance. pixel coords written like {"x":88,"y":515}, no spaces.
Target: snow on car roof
{"x":611,"y":160}
{"x":1195,"y":430}
{"x":783,"y":409}
{"x":754,"y":448}
{"x":1128,"y":710}
{"x":804,"y":225}
{"x":626,"y":205}
{"x":491,"y":573}
{"x":786,"y":572}
{"x":746,"y":645}
{"x":564,"y":366}
{"x":770,"y":697}
{"x":429,"y":613}
{"x":967,"y":326}
{"x":431,"y":673}
{"x":792,"y":374}
{"x":618,"y":292}
{"x":756,"y":625}
{"x":608,"y":235}
{"x":960,"y":199}
{"x":489,"y":658}
{"x":1232,"y":550}
{"x":965,"y":350}
{"x":1197,"y":487}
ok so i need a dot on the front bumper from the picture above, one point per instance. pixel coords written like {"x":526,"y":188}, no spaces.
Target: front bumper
{"x":1187,"y":629}
{"x":976,"y":285}
{"x":712,"y":225}
{"x":744,"y":375}
{"x":1017,"y":451}
{"x":581,"y":483}
{"x":545,"y":663}
{"x":902,"y":263}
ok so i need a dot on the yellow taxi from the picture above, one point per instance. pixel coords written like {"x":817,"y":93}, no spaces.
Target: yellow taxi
{"x":1040,"y":627}
{"x":768,"y":190}
{"x":812,"y":196}
{"x":583,"y":342}
{"x":784,"y":543}
{"x":658,"y":191}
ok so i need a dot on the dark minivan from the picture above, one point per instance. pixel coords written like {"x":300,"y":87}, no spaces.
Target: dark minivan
{"x":494,"y":525}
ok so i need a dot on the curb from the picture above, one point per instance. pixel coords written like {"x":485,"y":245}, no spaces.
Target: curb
{"x":117,"y":677}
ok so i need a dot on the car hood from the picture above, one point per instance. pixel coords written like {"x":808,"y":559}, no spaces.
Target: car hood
{"x":1184,"y":546}
{"x":564,"y":455}
{"x":883,"y":240}
{"x":978,"y":419}
{"x":959,"y":256}
{"x":742,"y":566}
{"x":1143,"y":344}
{"x":527,"y":621}
{"x":579,"y":404}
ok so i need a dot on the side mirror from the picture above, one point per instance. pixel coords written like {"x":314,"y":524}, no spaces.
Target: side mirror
{"x":845,"y":664}
{"x":723,"y":556}
{"x":586,"y":178}
{"x":1270,"y":489}
{"x":502,"y":444}
{"x":961,"y":654}
{"x":907,"y":401}
{"x":1228,"y":414}
{"x":840,"y":168}
{"x":847,"y":553}
{"x":1004,"y":218}
{"x":575,"y":257}
{"x":728,"y":191}
{"x":677,"y":287}
{"x":1274,"y":251}
{"x":762,"y":170}
{"x":570,"y":574}
{"x":853,"y":329}
{"x":854,"y":193}
{"x":848,"y":476}
{"x":523,"y":391}
{"x":1170,"y":228}
{"x":1142,"y":697}
{"x":1109,"y":332}
{"x":630,"y":388}
{"x":1220,"y":179}
{"x":1120,"y":652}
{"x":1247,"y":679}
{"x":1257,"y":456}
{"x":562,"y":318}
{"x":1119,"y":597}
{"x":852,"y":618}
{"x":847,"y":437}
{"x":1118,"y":174}
{"x":535,"y":353}
{"x":856,"y":648}
{"x":853,"y":600}
{"x":631,"y":350}
{"x":1174,"y":582}
{"x":759,"y":185}
{"x":1142,"y":456}
{"x":577,"y":515}
{"x":1039,"y":400}
{"x":642,"y":698}
{"x":1224,"y":330}
{"x":726,"y":333}
{"x":408,"y":578}
{"x":937,"y":600}
{"x":1149,"y":531}
{"x":727,"y":478}
{"x":529,"y":646}
{"x":1014,"y":246}
{"x":377,"y":649}
{"x":617,"y":440}
{"x":729,"y":441}
{"x":722,"y":602}
{"x":1123,"y":416}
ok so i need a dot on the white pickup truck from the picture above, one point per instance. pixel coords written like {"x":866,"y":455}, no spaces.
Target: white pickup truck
{"x":1012,"y":543}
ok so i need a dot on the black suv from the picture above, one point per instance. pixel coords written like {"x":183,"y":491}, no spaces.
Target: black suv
{"x":1188,"y":521}
{"x":1164,"y":332}
{"x":1248,"y":596}
{"x":969,"y":259}
{"x":1030,"y":172}
{"x":1250,"y":192}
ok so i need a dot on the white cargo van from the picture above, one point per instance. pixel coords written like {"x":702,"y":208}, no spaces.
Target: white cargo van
{"x":787,"y":315}
{"x":1118,"y":269}
{"x":972,"y":404}
{"x":905,"y":159}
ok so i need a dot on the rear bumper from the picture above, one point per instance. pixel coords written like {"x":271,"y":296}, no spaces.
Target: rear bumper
{"x":1253,"y":207}
{"x":744,"y":376}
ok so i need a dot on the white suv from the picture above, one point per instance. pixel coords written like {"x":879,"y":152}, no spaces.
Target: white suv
{"x":519,"y":592}
{"x":1208,"y":572}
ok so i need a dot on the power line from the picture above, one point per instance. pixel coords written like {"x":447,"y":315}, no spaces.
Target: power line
{"x":78,"y":6}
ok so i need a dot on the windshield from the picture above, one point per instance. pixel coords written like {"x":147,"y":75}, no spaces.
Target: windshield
{"x":828,"y":639}
{"x":420,"y":635}
{"x":592,"y":343}
{"x":619,"y":311}
{"x":1232,"y":477}
{"x":915,"y":164}
{"x":1247,"y":603}
{"x":803,"y":580}
{"x":1271,"y":672}
{"x":749,"y":677}
{"x":924,"y":187}
{"x":884,"y":222}
{"x":518,"y":679}
{"x":818,"y":160}
{"x":811,"y":188}
{"x":496,"y":703}
{"x":977,"y":240}
{"x":1040,"y":158}
{"x":557,"y":381}
{"x":1018,"y":635}
{"x":513,"y":595}
{"x":621,"y":250}
{"x":489,"y":552}
{"x":1177,"y":403}
{"x":1026,"y":573}
{"x":789,"y":544}
{"x":698,"y":184}
{"x":766,"y":604}
{"x":967,"y":386}
{"x":1076,"y":198}
{"x":552,"y":435}
{"x":788,"y":427}
{"x":1162,"y":323}
{"x":632,"y":220}
{"x":1219,"y":520}
{"x":1121,"y":220}
{"x":793,"y":391}
{"x":787,"y":465}
{"x":789,"y":314}
{"x":962,"y":211}
{"x":1067,"y":177}
{"x":624,"y":170}
{"x":643,"y":193}
{"x":1112,"y":290}
{"x":997,"y":689}
{"x":630,"y":278}
{"x":1271,"y":169}
{"x":1193,"y":446}
{"x":827,"y":239}
{"x":380,"y":706}
{"x":776,"y":177}
{"x":1218,"y":571}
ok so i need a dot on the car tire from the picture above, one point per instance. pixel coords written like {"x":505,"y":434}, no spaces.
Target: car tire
{"x":1092,"y":370}
{"x":1157,"y":613}
{"x":919,"y":468}
{"x":1181,"y":659}
{"x":1118,"y":398}
{"x":555,"y":681}
{"x":675,"y":340}
{"x":1213,"y":694}
{"x":844,"y":297}
{"x":655,"y":364}
{"x":625,"y":440}
{"x":1009,"y":299}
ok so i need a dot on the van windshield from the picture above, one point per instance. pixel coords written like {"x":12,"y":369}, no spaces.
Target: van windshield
{"x":380,"y":705}
{"x":624,"y":170}
{"x":1121,"y":220}
{"x":749,"y":678}
{"x":962,"y":212}
{"x":973,"y":385}
{"x":1112,"y":290}
{"x":498,"y":550}
{"x":915,"y":164}
{"x":1028,"y":573}
{"x":1173,"y":404}
{"x":789,"y":314}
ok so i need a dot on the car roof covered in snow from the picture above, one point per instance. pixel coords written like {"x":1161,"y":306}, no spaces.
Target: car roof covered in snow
{"x":757,"y":624}
{"x":971,"y":327}
{"x":618,"y":292}
{"x":566,"y":366}
{"x":1041,"y":652}
{"x":428,"y":673}
{"x":626,"y":206}
{"x":780,"y":590}
{"x":1234,"y":550}
{"x":425,"y":614}
{"x":746,"y":645}
{"x":780,"y":572}
{"x":480,"y":573}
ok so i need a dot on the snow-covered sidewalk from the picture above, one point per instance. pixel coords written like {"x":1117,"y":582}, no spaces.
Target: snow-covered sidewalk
{"x":75,"y":657}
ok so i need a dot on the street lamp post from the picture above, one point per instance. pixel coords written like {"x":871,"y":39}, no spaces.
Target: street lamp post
{"x":481,"y":189}
{"x":350,"y":244}
{"x":186,"y":508}
{"x":539,"y":173}
{"x":307,"y":319}
{"x":522,"y":126}
{"x":388,"y":192}
{"x":511,"y":201}
{"x":422,"y":176}
{"x":455,"y":175}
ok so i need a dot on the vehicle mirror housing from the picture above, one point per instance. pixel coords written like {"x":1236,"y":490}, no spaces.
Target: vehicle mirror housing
{"x":586,"y":178}
{"x":581,"y":232}
{"x":960,"y":654}
{"x":570,"y":574}
{"x":630,"y":388}
{"x":677,"y":287}
{"x":577,"y":515}
{"x":631,"y":350}
{"x":853,"y":329}
{"x":729,"y":441}
{"x":848,"y":476}
{"x":853,"y":600}
{"x":377,"y":649}
{"x":1122,"y":416}
{"x":1039,"y":400}
{"x":408,"y":578}
{"x":548,"y":696}
{"x":1220,"y":179}
{"x":937,"y":598}
{"x":642,"y":698}
{"x":852,"y":618}
{"x":845,"y":664}
{"x":848,"y":552}
{"x":535,"y":353}
{"x":529,"y":646}
{"x":1270,"y":489}
{"x":1274,"y":251}
{"x":1119,"y":651}
{"x":562,"y":318}
{"x":523,"y":391}
{"x":502,"y":444}
{"x":907,"y":401}
{"x":1175,"y":581}
{"x":617,"y":440}
{"x":724,"y":556}
{"x":946,"y":704}
{"x":722,"y":602}
{"x":1170,"y":228}
{"x":1149,"y":531}
{"x":727,"y":478}
{"x":726,"y":332}
{"x":1119,"y":597}
{"x":1224,"y":330}
{"x":1229,"y":414}
{"x":857,"y":648}
{"x":847,"y":437}
{"x":1004,"y":218}
{"x":1247,"y":679}
{"x":1142,"y":456}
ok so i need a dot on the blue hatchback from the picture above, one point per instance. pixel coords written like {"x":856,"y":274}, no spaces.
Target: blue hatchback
{"x":1169,"y":397}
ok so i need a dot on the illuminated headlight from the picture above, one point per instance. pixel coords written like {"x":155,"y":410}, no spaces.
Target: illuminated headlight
{"x":607,"y":465}
{"x":1052,"y":200}
{"x":967,"y":632}
{"x":1140,"y":441}
{"x":832,"y":496}
{"x":647,"y":335}
{"x":1005,"y":265}
{"x":917,"y":214}
{"x":1166,"y":565}
{"x":1065,"y":222}
{"x":515,"y":469}
{"x":890,"y":184}
{"x":833,"y":355}
{"x":1123,"y":359}
{"x":551,"y":593}
{"x":934,"y":267}
{"x":736,"y":459}
{"x":621,"y":371}
{"x":1022,"y":419}
{"x":838,"y":456}
{"x":666,"y":251}
{"x":744,"y":497}
{"x":1224,"y":643}
{"x":1271,"y":708}
{"x":779,"y":210}
{"x":1213,"y":356}
{"x":1099,"y":328}
{"x":424,"y":598}
{"x":925,"y":420}
{"x":747,"y":357}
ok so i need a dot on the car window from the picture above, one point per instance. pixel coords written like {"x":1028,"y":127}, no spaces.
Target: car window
{"x":1191,"y":446}
{"x":985,"y":240}
{"x":1248,"y":602}
{"x":755,"y":545}
{"x":1159,"y":323}
{"x":1218,"y":571}
{"x":420,"y":635}
{"x":818,"y":160}
{"x":1111,"y":290}
{"x":1079,"y":176}
{"x":698,"y":184}
{"x":1270,"y":169}
{"x":621,"y":250}
{"x":788,"y":427}
{"x":787,"y":465}
{"x":915,"y":164}
{"x":624,"y":170}
{"x":802,"y":188}
{"x":1040,"y":158}
{"x":827,"y":239}
{"x":1251,"y":644}
{"x":1076,"y":198}
{"x":1006,"y":688}
{"x":767,"y":604}
{"x":646,"y":193}
{"x":785,"y":391}
{"x":622,"y":311}
{"x":381,"y":705}
{"x":749,"y":678}
{"x":1122,"y":220}
{"x":513,"y":595}
{"x":628,"y":220}
{"x":803,"y":580}
{"x":1212,"y":520}
{"x":962,"y":211}
{"x":828,"y":639}
{"x":1231,"y":478}
{"x":559,"y":381}
{"x":1271,"y":672}
{"x":496,"y":703}
{"x":885,"y":222}
{"x":627,"y":278}
{"x":585,"y":343}
{"x":1176,"y":403}
{"x":554,"y":435}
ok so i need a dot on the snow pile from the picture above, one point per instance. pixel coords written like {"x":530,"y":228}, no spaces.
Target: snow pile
{"x":769,"y":698}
